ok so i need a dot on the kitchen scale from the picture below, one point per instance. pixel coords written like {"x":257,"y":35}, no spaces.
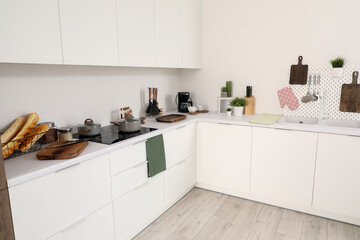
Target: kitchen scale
{"x":110,"y":135}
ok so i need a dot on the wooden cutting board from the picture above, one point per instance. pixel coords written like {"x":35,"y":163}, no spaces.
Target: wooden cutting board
{"x":64,"y":152}
{"x":171,"y":118}
{"x":350,"y":95}
{"x":298,"y":73}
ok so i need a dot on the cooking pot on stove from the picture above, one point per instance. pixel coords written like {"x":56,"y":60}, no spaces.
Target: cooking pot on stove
{"x":89,"y":128}
{"x":129,"y":125}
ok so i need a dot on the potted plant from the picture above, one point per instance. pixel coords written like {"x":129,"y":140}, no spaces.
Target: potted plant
{"x":223,"y":92}
{"x":337,"y":70}
{"x":238,"y":104}
{"x":228,"y":111}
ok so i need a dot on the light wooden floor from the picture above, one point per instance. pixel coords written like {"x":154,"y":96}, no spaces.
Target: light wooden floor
{"x":208,"y":215}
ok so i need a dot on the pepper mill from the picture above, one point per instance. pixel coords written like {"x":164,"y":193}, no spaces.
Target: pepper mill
{"x":249,"y":109}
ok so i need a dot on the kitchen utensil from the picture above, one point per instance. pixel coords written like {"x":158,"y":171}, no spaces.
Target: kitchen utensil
{"x":62,"y":152}
{"x":298,"y":73}
{"x":89,"y":128}
{"x":350,"y":94}
{"x":248,"y":91}
{"x":65,"y":134}
{"x":171,"y":118}
{"x":318,"y":85}
{"x":154,"y":108}
{"x":314,"y":97}
{"x":128,"y":125}
{"x":308,"y":97}
{"x":67,"y":143}
{"x":148,"y":109}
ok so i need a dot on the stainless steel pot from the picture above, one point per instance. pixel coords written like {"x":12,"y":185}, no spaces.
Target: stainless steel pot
{"x":89,"y":128}
{"x":129,"y":125}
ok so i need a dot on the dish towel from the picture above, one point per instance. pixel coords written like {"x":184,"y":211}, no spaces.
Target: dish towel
{"x":287,"y":96}
{"x":155,"y":155}
{"x":267,"y":119}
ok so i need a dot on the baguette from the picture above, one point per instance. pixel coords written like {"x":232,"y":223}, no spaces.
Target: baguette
{"x":12,"y":131}
{"x":38,"y":132}
{"x":13,"y":145}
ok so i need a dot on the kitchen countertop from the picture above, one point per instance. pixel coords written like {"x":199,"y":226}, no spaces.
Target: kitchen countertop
{"x":25,"y":168}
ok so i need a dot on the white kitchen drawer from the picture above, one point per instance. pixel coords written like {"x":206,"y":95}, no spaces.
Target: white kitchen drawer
{"x":129,"y":179}
{"x":127,"y":157}
{"x":179,"y":179}
{"x":45,"y":206}
{"x":138,"y":208}
{"x":98,"y":225}
{"x":180,"y":144}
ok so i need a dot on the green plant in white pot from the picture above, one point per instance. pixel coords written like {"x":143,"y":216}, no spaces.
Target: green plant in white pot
{"x":228,"y":111}
{"x":337,"y":71}
{"x":238,"y":104}
{"x":223,"y":92}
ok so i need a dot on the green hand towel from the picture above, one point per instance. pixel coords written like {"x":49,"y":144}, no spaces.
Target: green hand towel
{"x":155,"y":155}
{"x":267,"y":119}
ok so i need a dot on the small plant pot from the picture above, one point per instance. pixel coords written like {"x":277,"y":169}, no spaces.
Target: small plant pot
{"x":228,"y":113}
{"x":223,"y":94}
{"x":238,"y":111}
{"x":337,"y":73}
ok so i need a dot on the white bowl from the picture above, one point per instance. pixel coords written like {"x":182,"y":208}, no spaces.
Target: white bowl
{"x":192,"y":109}
{"x":201,"y":107}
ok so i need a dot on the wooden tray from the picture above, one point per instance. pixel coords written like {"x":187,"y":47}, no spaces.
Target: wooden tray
{"x":64,"y":152}
{"x":350,"y":95}
{"x":171,"y":118}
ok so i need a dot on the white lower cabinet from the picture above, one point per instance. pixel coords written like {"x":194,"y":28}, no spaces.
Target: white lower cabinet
{"x":225,"y":152}
{"x":98,"y":225}
{"x":283,"y":165}
{"x":338,"y":175}
{"x":179,"y":179}
{"x":138,"y":208}
{"x":49,"y":204}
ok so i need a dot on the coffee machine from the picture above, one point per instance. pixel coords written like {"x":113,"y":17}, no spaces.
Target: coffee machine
{"x":183,"y":101}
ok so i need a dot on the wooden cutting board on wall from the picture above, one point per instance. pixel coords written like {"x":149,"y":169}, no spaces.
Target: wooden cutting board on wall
{"x":350,"y":95}
{"x":298,"y":73}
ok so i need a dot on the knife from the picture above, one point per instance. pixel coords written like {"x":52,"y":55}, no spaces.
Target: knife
{"x":68,"y":143}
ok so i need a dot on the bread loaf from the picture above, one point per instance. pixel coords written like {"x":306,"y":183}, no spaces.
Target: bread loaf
{"x":12,"y":131}
{"x":29,"y":125}
{"x":38,"y":132}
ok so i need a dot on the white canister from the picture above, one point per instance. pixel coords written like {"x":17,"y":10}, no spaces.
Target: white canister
{"x":238,"y":111}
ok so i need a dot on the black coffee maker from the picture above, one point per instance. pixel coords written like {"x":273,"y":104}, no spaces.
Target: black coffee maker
{"x":183,"y":101}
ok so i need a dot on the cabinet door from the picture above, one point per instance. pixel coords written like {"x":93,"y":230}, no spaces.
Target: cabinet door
{"x":30,"y":31}
{"x":46,"y":205}
{"x":179,"y":179}
{"x":191,"y":33}
{"x":337,"y":175}
{"x":168,"y":32}
{"x":180,"y":144}
{"x":138,"y":208}
{"x":225,"y":152}
{"x":283,"y":165}
{"x":136,"y":29}
{"x":89,"y":33}
{"x":98,"y":225}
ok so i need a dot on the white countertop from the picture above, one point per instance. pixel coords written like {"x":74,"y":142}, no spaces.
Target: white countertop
{"x":27,"y":167}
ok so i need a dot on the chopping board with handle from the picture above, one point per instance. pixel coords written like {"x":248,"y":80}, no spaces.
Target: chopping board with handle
{"x":62,"y":152}
{"x":298,"y":73}
{"x":350,"y":94}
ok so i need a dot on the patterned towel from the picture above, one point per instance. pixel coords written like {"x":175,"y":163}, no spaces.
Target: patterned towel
{"x":287,"y":96}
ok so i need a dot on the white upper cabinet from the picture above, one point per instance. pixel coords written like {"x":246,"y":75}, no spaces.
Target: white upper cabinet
{"x":136,"y":31}
{"x":283,"y":165}
{"x":89,"y":33}
{"x":191,"y":34}
{"x":337,"y":175}
{"x":30,"y":32}
{"x":168,"y":32}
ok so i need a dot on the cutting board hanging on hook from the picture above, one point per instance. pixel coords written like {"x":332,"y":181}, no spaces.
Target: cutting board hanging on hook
{"x":298,"y":73}
{"x":350,"y":95}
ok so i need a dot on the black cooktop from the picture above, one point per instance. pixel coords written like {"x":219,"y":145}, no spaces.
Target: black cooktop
{"x":110,"y":134}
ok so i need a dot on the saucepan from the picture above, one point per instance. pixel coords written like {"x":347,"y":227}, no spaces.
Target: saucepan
{"x":128,"y":125}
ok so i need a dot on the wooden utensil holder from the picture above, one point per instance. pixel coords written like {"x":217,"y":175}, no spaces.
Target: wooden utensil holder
{"x":249,"y":109}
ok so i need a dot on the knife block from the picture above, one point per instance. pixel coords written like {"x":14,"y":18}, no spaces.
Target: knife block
{"x":249,"y":109}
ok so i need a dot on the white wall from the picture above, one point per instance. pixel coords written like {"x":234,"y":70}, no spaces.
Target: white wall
{"x":68,"y":95}
{"x":256,"y":42}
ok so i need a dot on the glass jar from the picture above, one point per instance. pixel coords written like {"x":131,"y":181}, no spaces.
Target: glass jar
{"x":65,"y":134}
{"x":51,"y":135}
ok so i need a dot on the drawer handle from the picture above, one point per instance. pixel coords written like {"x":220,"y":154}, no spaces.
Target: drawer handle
{"x":139,"y":142}
{"x":226,"y":124}
{"x":140,"y":164}
{"x":181,"y":162}
{"x":181,"y":127}
{"x":141,"y":185}
{"x":61,"y":170}
{"x":73,"y":225}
